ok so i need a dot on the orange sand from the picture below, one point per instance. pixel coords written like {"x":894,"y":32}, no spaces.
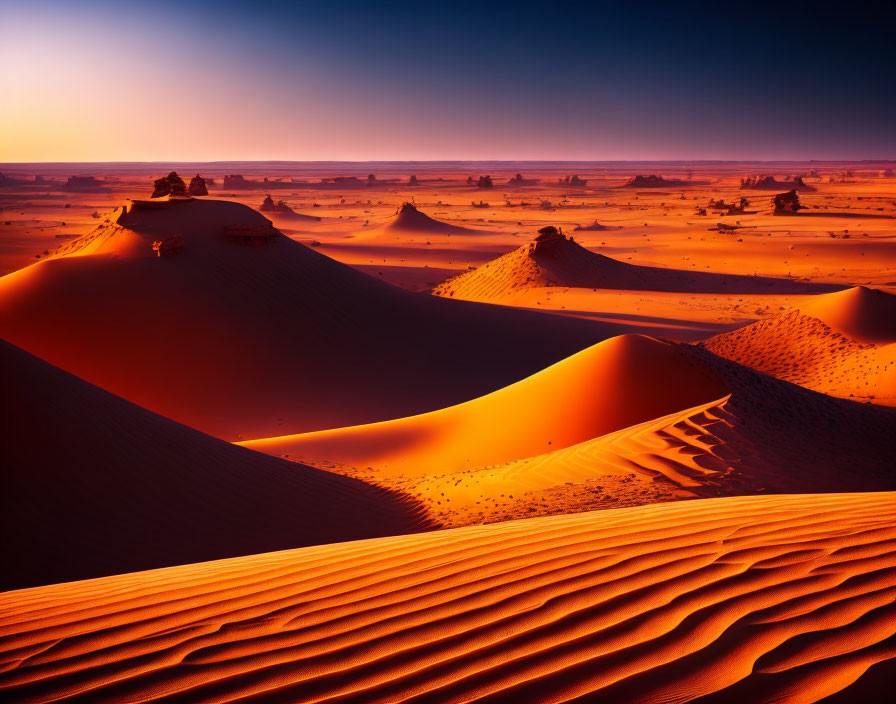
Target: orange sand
{"x":629,"y":421}
{"x":321,"y":339}
{"x":842,"y":344}
{"x":243,"y":342}
{"x":615,"y":384}
{"x":764,"y":599}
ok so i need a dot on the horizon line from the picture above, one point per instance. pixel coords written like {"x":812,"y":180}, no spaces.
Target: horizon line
{"x":458,"y":161}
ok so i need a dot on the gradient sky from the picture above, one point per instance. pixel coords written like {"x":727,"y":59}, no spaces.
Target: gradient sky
{"x":193,"y":80}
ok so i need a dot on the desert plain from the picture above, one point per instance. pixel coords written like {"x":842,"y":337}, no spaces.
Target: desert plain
{"x":448,"y":432}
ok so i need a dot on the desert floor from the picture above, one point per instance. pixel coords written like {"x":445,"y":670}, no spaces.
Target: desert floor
{"x":350,"y":450}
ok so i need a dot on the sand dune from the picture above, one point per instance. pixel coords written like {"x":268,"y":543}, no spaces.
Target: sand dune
{"x":863,"y":314}
{"x":630,"y":421}
{"x":765,"y":437}
{"x":241,"y":332}
{"x":411,"y":221}
{"x":281,"y":211}
{"x":612,"y":385}
{"x":553,"y":259}
{"x":747,"y":599}
{"x":827,"y":345}
{"x":93,"y":485}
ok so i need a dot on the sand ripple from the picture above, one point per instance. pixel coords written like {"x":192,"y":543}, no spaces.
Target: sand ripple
{"x":752,"y":599}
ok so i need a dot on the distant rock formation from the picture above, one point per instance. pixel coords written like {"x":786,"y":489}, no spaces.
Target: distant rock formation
{"x":651,"y":181}
{"x":235,"y":182}
{"x":574,"y":180}
{"x":786,"y":203}
{"x":595,"y":227}
{"x":83,"y":183}
{"x":282,"y":209}
{"x":518,"y":180}
{"x":170,"y":185}
{"x":770,"y":183}
{"x":341,"y":182}
{"x":198,"y":186}
{"x":887,"y":173}
{"x":738,"y":208}
{"x":9,"y":181}
{"x":483,"y":182}
{"x":412,"y":181}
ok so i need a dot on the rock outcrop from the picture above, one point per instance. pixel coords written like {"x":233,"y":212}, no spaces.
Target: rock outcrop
{"x":518,"y":180}
{"x":738,"y":208}
{"x":574,"y":180}
{"x":198,"y":186}
{"x":233,"y":182}
{"x":770,"y":183}
{"x":786,"y":203}
{"x":483,"y":182}
{"x":596,"y":227}
{"x":83,"y":183}
{"x":281,"y":209}
{"x":10,"y":181}
{"x":651,"y":181}
{"x":170,"y":185}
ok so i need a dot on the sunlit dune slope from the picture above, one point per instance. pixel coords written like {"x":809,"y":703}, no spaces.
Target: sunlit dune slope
{"x":827,"y":345}
{"x":767,"y":436}
{"x":553,"y":259}
{"x":736,"y":600}
{"x":411,"y":221}
{"x":863,"y":314}
{"x":241,"y":332}
{"x":93,"y":485}
{"x":612,"y":385}
{"x":630,"y":421}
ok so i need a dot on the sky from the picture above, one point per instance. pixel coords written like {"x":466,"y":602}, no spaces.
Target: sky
{"x":96,"y":80}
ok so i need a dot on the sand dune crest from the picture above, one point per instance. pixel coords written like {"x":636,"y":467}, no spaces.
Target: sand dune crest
{"x":840,"y":344}
{"x":554,"y":259}
{"x":614,"y":384}
{"x":241,"y":332}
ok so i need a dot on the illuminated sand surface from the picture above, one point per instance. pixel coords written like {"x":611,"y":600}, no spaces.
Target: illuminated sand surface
{"x":615,"y":384}
{"x":863,"y":314}
{"x":629,"y":421}
{"x":762,"y":599}
{"x":560,"y":261}
{"x":842,"y":344}
{"x":718,"y":380}
{"x":243,"y":342}
{"x":94,"y":485}
{"x":410,"y":224}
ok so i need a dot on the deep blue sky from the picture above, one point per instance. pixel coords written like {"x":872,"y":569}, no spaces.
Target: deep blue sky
{"x":358,"y":80}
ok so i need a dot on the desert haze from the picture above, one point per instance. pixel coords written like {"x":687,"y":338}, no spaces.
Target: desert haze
{"x":439,"y":353}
